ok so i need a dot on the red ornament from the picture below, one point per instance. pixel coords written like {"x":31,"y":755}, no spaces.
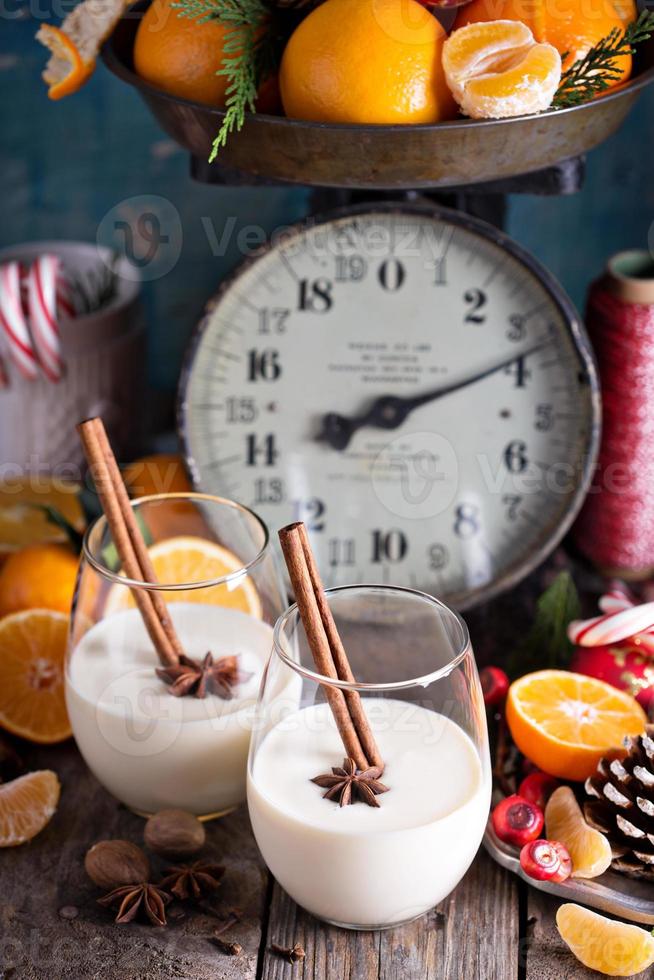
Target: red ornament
{"x":546,"y":860}
{"x":517,"y":821}
{"x":624,"y":665}
{"x":494,"y":685}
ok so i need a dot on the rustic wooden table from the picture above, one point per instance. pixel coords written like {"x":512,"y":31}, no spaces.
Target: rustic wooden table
{"x":493,"y":927}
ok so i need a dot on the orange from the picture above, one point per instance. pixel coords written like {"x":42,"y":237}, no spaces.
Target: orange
{"x":589,"y":849}
{"x":366,"y":61}
{"x":32,"y":650}
{"x":159,"y":473}
{"x":572,"y":26}
{"x":497,"y":69}
{"x":565,"y":722}
{"x":26,"y":806}
{"x":39,"y":576}
{"x":612,"y":948}
{"x":188,"y":559}
{"x":22,"y":518}
{"x":181,"y":56}
{"x":67,"y":70}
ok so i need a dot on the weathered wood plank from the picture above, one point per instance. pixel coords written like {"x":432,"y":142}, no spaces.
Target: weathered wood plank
{"x":39,"y":879}
{"x":546,"y":955}
{"x":472,"y":934}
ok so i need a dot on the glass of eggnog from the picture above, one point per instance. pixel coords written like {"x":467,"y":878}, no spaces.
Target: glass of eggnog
{"x":371,"y":850}
{"x":159,"y":734}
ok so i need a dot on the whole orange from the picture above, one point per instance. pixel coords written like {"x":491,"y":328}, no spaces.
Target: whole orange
{"x":41,"y":576}
{"x":180,"y":56}
{"x":366,"y":61}
{"x":571,"y":26}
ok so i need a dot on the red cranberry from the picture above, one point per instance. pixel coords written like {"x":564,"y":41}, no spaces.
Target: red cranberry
{"x":537,"y":787}
{"x":546,"y":860}
{"x":517,"y":821}
{"x":494,"y":685}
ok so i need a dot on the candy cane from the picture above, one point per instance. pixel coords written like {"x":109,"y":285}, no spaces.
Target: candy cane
{"x":14,"y":324}
{"x":612,"y":627}
{"x":42,"y":289}
{"x":617,"y":599}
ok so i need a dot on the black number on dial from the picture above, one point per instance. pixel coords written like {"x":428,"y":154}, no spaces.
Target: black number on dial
{"x":263,"y":364}
{"x":512,"y":502}
{"x":273,"y":321}
{"x":315,"y":295}
{"x":389,"y":545}
{"x":311,"y":512}
{"x":391,"y":275}
{"x":241,"y":410}
{"x":350,"y":268}
{"x":544,"y":417}
{"x":476,"y":299}
{"x":517,"y":327}
{"x":261,"y":451}
{"x":466,"y":524}
{"x":438,"y":556}
{"x":517,"y":369}
{"x":515,"y":456}
{"x":268,"y":491}
{"x":341,"y":551}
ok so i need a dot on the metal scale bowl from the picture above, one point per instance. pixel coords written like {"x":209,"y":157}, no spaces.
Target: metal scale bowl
{"x":442,"y":155}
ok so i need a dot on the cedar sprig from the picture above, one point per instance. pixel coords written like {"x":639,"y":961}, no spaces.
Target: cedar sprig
{"x":597,"y":70}
{"x":250,"y":54}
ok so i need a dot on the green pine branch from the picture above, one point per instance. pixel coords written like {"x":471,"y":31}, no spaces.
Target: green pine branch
{"x":250,"y":54}
{"x":546,"y":644}
{"x":597,"y":70}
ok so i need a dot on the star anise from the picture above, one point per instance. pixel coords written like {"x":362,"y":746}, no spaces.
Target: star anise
{"x":149,"y":900}
{"x":192,"y":880}
{"x":347,"y":784}
{"x":207,"y":676}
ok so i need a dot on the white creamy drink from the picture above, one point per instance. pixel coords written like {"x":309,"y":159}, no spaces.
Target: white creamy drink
{"x":358,"y":865}
{"x":153,"y":750}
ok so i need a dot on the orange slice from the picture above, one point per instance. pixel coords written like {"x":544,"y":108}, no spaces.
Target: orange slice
{"x":565,"y":722}
{"x":497,"y":69}
{"x":32,"y":650}
{"x":22,"y":518}
{"x":66,"y":70}
{"x":188,"y":559}
{"x":612,"y":948}
{"x":26,"y":806}
{"x":589,"y":849}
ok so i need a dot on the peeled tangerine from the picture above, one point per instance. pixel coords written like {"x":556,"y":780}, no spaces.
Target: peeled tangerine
{"x":589,"y":849}
{"x":613,"y":948}
{"x":497,"y":69}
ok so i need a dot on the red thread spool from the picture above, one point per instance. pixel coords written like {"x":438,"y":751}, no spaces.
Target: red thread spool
{"x":616,"y":526}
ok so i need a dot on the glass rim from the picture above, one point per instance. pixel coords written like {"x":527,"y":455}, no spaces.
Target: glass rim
{"x":239,"y":573}
{"x":424,"y":680}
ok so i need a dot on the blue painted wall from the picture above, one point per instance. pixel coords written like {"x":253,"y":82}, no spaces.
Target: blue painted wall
{"x":67,"y":165}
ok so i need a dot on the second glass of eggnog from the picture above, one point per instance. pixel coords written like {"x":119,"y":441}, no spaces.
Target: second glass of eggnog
{"x":156,"y":737}
{"x":373,"y":866}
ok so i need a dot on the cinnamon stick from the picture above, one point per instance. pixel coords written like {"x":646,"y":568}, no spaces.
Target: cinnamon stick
{"x":326,"y":647}
{"x":128,"y":546}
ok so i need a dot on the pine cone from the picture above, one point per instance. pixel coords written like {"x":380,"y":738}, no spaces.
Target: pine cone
{"x":622,"y":805}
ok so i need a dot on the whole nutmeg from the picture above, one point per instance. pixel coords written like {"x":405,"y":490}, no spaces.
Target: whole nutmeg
{"x":174,"y":833}
{"x":112,"y":863}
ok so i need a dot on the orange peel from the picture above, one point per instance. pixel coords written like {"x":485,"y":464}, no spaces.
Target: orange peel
{"x":497,"y":69}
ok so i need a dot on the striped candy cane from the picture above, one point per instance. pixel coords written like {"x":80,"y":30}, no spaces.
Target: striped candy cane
{"x":13,"y":323}
{"x":42,"y":292}
{"x":622,"y":619}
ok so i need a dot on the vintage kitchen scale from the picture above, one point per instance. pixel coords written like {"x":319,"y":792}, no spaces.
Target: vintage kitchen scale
{"x":401,"y":376}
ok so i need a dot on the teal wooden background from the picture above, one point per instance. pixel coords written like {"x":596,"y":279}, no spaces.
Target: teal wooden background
{"x":66,"y":166}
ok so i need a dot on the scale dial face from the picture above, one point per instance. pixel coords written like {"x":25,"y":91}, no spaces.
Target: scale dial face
{"x":473,"y":464}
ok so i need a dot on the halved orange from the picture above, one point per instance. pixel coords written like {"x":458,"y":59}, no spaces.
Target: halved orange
{"x":565,"y":722}
{"x":66,"y":70}
{"x":32,"y":650}
{"x":23,"y":520}
{"x":189,"y":559}
{"x":612,"y":948}
{"x":26,"y":806}
{"x":589,"y":849}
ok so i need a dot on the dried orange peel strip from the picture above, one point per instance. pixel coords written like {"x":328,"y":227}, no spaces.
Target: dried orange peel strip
{"x":75,"y":45}
{"x":497,"y":69}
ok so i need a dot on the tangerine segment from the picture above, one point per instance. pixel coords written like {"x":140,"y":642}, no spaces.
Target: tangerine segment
{"x":366,"y":61}
{"x":612,"y":948}
{"x":66,"y":70}
{"x":496,"y":70}
{"x":187,"y":560}
{"x":566,"y":722}
{"x":26,"y":806}
{"x":32,"y":650}
{"x":589,"y":849}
